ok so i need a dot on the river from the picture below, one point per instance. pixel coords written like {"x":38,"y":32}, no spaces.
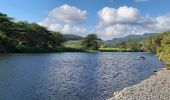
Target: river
{"x":72,"y":76}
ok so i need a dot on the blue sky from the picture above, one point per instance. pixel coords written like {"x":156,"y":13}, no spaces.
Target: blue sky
{"x":149,"y":12}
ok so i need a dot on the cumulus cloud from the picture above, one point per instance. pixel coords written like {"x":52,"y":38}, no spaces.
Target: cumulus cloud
{"x":128,"y":21}
{"x":67,"y":14}
{"x":112,"y":23}
{"x":121,"y":15}
{"x":65,"y":19}
{"x":160,"y":23}
{"x":117,"y":30}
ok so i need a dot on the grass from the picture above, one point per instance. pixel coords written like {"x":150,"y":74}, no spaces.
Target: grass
{"x":73,"y":43}
{"x":77,"y":45}
{"x":114,"y":50}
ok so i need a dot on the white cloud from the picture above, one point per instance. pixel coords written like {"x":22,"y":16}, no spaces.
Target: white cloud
{"x":67,"y":14}
{"x":113,"y":22}
{"x":65,"y":19}
{"x":121,"y":15}
{"x":77,"y":30}
{"x":119,"y":30}
{"x":128,"y":21}
{"x":66,"y":28}
{"x":160,"y":23}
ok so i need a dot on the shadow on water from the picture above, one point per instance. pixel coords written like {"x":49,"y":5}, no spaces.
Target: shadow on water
{"x":71,"y":76}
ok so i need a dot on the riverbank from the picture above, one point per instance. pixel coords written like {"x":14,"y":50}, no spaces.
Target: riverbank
{"x":62,"y":49}
{"x":157,"y":87}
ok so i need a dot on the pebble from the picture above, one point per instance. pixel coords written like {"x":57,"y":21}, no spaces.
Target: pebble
{"x":157,"y":87}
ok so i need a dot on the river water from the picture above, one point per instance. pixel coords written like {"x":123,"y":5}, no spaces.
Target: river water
{"x":71,"y":76}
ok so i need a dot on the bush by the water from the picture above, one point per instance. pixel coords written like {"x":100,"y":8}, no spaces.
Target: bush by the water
{"x":115,"y":50}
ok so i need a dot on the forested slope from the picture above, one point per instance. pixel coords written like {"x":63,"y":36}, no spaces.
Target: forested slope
{"x":27,"y":37}
{"x":160,"y":45}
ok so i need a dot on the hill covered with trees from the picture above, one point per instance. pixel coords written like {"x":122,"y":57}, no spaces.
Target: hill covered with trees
{"x":160,"y":45}
{"x":26,"y":37}
{"x":72,"y":37}
{"x":130,"y":38}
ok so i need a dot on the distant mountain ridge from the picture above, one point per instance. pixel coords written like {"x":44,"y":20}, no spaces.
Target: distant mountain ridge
{"x":135,"y":38}
{"x":72,"y":37}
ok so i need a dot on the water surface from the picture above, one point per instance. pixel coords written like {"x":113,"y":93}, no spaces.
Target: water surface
{"x":71,"y":76}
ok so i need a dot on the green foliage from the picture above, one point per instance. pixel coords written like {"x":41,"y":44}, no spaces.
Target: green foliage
{"x":129,"y":45}
{"x":134,"y":38}
{"x":165,"y":54}
{"x":114,"y":50}
{"x":91,"y":42}
{"x":30,"y":35}
{"x":56,"y":39}
{"x":160,"y":45}
{"x":6,"y":23}
{"x":27,"y":37}
{"x":6,"y":44}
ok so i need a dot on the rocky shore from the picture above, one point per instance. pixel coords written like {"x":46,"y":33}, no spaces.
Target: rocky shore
{"x":157,"y":87}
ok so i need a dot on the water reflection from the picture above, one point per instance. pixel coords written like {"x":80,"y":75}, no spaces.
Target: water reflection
{"x":71,"y":76}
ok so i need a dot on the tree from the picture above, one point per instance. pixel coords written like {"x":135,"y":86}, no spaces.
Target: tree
{"x":91,"y":42}
{"x":6,"y":23}
{"x":23,"y":36}
{"x":30,"y":35}
{"x":160,"y":45}
{"x":56,"y":39}
{"x":5,"y":42}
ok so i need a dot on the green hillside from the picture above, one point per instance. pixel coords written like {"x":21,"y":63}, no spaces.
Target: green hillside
{"x":160,"y":45}
{"x":72,"y":37}
{"x":22,"y":36}
{"x":135,"y":38}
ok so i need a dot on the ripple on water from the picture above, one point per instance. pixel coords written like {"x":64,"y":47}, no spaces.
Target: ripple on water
{"x":71,"y":76}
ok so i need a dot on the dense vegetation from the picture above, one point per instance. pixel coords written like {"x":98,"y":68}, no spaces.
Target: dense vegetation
{"x":30,"y":37}
{"x":130,"y":38}
{"x":91,"y":42}
{"x":160,"y":45}
{"x":72,"y":37}
{"x":27,"y":37}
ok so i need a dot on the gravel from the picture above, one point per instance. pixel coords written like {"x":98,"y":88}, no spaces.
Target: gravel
{"x":157,"y":87}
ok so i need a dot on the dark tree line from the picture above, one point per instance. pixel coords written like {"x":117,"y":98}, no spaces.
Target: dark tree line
{"x":18,"y":36}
